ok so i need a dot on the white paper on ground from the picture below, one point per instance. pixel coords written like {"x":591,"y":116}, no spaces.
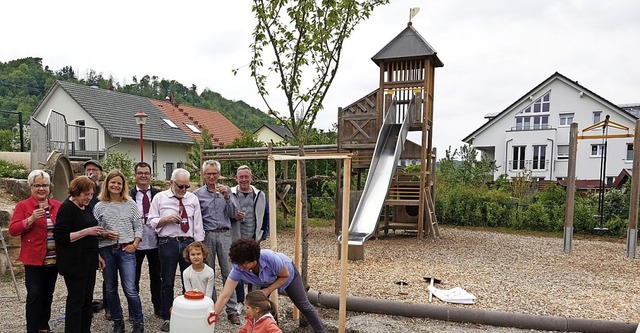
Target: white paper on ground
{"x":455,"y":295}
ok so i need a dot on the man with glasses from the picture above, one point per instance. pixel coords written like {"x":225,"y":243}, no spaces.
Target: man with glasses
{"x":143,"y":194}
{"x":217,"y":211}
{"x":175,"y":215}
{"x":93,"y":170}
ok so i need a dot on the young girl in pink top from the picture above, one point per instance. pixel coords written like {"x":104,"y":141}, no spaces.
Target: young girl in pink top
{"x":260,"y":318}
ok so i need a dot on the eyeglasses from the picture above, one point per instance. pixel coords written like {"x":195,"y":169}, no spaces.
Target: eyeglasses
{"x":211,"y":174}
{"x":143,"y":174}
{"x":40,"y":185}
{"x":183,"y":187}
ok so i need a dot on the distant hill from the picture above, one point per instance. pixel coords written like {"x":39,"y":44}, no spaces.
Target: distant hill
{"x":24,"y":82}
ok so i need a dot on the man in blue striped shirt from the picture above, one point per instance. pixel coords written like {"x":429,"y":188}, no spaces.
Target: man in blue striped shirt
{"x":217,"y":211}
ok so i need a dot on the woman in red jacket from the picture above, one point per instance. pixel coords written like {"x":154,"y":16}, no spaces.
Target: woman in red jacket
{"x":33,"y":220}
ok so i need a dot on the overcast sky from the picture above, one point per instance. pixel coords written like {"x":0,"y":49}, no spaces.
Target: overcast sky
{"x":494,"y":51}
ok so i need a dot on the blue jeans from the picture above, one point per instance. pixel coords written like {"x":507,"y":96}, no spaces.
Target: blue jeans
{"x":219,"y":244}
{"x":170,"y":253}
{"x":123,"y":262}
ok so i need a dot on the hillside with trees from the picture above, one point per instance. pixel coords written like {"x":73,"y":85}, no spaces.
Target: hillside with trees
{"x":24,"y":82}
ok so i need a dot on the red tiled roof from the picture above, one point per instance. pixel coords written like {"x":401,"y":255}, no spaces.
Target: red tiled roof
{"x":221,"y":129}
{"x":594,"y":184}
{"x":583,"y":184}
{"x":622,"y":177}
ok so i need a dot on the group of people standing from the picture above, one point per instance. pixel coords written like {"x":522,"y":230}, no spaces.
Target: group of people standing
{"x":107,"y":227}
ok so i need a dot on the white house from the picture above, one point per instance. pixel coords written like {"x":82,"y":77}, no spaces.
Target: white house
{"x":90,"y":119}
{"x":268,"y":133}
{"x":532,"y":134}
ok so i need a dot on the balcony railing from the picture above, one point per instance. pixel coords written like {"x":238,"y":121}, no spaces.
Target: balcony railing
{"x":531,"y":128}
{"x":529,"y":165}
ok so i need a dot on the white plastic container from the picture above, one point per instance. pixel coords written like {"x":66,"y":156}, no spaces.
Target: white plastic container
{"x":193,"y":313}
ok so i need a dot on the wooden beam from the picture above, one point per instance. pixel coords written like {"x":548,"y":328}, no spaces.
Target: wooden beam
{"x":607,"y":136}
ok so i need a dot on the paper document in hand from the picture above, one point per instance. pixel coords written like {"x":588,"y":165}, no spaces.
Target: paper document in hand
{"x":455,"y":295}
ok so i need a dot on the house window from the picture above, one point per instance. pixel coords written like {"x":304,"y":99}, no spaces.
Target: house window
{"x":528,"y":123}
{"x":540,"y":122}
{"x":610,"y":181}
{"x":534,"y":116}
{"x":629,"y":151}
{"x":170,"y":123}
{"x":563,"y":152}
{"x":566,"y":119}
{"x":542,"y":104}
{"x":193,"y":128}
{"x":518,"y":158}
{"x":539,"y":157}
{"x":597,"y":150}
{"x":597,"y":116}
{"x":81,"y":141}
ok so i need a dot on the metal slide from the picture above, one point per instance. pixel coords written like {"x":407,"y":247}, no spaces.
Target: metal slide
{"x":389,"y":146}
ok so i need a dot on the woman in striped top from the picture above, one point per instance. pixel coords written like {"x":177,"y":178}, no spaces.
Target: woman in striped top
{"x":33,"y":220}
{"x":122,"y":221}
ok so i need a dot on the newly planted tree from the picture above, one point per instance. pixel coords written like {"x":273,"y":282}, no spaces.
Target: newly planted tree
{"x":296,"y":50}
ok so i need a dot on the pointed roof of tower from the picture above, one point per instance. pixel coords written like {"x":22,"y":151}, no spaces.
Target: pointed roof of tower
{"x":407,"y":44}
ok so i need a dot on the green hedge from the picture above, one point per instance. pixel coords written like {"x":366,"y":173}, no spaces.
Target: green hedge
{"x":544,"y":211}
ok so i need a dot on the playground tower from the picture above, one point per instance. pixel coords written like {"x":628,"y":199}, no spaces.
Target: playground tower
{"x":406,"y":71}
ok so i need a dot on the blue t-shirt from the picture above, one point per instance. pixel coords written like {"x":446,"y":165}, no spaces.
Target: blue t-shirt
{"x":271,"y":264}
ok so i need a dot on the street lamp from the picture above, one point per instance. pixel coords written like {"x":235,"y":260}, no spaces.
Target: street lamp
{"x":141,"y":119}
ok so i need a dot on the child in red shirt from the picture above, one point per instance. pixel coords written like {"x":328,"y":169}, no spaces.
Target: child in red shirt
{"x":260,"y":318}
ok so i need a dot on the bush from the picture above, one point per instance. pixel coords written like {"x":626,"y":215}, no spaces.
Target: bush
{"x":119,"y":160}
{"x":584,"y":219}
{"x":474,"y":207}
{"x":10,"y":170}
{"x":322,"y":207}
{"x":496,"y":214}
{"x":535,"y":217}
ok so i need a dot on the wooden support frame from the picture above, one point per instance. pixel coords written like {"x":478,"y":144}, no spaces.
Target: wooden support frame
{"x":346,"y":189}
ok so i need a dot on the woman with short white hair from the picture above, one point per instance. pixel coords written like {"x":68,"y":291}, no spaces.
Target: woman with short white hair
{"x":33,"y":220}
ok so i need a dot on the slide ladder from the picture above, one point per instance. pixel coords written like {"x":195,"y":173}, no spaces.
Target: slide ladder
{"x":432,"y":220}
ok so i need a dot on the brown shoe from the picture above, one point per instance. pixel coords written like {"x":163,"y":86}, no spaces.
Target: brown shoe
{"x":234,"y":319}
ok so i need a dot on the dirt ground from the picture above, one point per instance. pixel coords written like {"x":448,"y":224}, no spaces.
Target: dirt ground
{"x":507,"y":272}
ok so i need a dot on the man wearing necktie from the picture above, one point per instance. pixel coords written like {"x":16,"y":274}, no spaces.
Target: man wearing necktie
{"x":217,"y":211}
{"x":142,"y":194}
{"x":175,"y":215}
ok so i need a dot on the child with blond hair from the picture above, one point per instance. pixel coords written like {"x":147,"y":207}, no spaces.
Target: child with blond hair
{"x":261,"y":317}
{"x":198,"y":276}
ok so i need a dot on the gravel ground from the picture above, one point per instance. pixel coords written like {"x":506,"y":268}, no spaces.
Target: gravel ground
{"x":511,"y":273}
{"x":507,"y":272}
